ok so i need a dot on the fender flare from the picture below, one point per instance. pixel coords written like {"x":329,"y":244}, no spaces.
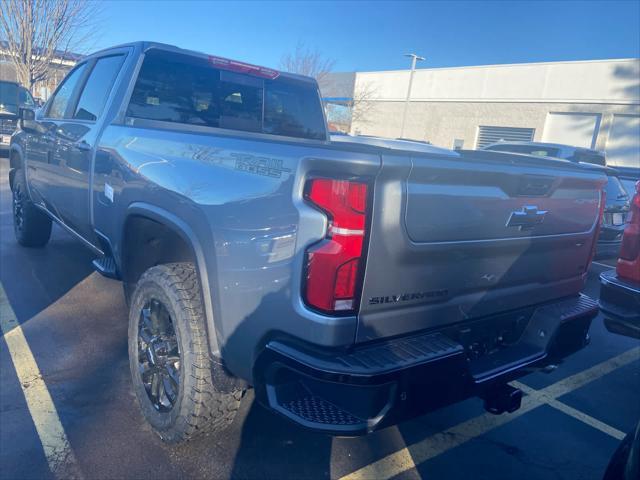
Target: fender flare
{"x":15,"y":152}
{"x":15,"y":149}
{"x":180,"y":227}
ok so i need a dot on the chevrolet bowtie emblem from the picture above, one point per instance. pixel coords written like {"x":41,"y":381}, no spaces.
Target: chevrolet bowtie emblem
{"x":527,"y":218}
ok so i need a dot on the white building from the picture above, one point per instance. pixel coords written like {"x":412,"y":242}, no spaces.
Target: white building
{"x":585,"y":103}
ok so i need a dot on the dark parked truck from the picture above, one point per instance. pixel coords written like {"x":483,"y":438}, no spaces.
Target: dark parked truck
{"x":12,"y":97}
{"x":351,"y":284}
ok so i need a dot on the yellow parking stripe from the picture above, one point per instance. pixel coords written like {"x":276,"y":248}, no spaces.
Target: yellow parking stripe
{"x":597,"y":371}
{"x":588,"y":419}
{"x":57,"y":450}
{"x":564,"y":408}
{"x":434,"y":445}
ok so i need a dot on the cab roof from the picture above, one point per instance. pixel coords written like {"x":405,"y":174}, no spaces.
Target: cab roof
{"x":144,"y":45}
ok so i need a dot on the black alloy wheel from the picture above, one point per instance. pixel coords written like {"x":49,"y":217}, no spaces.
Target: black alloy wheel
{"x":158,"y":356}
{"x":18,"y":208}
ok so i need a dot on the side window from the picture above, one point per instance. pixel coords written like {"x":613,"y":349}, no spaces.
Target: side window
{"x":60,"y":100}
{"x":96,"y":90}
{"x":26,"y":98}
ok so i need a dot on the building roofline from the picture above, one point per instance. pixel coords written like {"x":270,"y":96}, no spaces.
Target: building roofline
{"x":504,"y":65}
{"x":58,"y":54}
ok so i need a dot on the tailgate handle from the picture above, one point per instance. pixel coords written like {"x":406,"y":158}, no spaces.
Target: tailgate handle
{"x":535,"y":186}
{"x":527,"y":218}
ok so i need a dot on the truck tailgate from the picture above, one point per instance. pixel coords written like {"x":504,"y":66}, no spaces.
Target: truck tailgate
{"x":456,"y":238}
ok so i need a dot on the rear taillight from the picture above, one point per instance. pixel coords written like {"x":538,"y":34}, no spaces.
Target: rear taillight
{"x":335,"y":265}
{"x":629,"y":262}
{"x":603,"y":201}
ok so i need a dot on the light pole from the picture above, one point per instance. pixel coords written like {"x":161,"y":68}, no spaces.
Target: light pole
{"x":414,"y":59}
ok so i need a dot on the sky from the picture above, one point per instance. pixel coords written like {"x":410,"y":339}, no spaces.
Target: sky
{"x":367,"y":36}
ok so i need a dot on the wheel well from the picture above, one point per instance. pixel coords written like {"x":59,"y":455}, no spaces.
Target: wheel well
{"x":147,"y":243}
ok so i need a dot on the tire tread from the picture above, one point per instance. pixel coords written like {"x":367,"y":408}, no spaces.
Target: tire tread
{"x":204,"y":409}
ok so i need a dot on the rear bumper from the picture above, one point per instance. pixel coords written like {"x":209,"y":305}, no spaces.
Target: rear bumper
{"x":376,"y":385}
{"x":609,"y":241}
{"x":620,"y":304}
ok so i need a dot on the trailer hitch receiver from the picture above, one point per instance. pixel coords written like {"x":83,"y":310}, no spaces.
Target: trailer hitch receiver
{"x":502,"y":398}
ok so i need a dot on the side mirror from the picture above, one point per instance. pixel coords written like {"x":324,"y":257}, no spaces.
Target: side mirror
{"x":26,"y":118}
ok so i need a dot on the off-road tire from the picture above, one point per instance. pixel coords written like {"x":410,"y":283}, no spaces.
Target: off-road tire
{"x":200,"y":407}
{"x":31,"y":225}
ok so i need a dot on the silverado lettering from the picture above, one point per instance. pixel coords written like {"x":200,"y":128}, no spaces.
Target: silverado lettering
{"x":406,"y":297}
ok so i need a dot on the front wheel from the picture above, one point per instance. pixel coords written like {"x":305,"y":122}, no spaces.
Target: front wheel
{"x":169,"y":356}
{"x":32,"y":227}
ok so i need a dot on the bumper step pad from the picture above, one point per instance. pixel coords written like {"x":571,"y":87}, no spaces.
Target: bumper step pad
{"x":314,"y":409}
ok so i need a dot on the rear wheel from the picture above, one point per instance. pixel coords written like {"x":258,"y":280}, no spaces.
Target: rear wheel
{"x":169,"y":356}
{"x":32,"y":226}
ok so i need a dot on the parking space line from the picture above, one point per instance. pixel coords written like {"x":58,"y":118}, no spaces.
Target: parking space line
{"x":580,"y":379}
{"x":439,"y":443}
{"x":573,"y":412}
{"x":588,"y":419}
{"x":53,"y":438}
{"x":603,"y":265}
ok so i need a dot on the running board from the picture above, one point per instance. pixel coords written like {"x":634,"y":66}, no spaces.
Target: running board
{"x":107,"y":267}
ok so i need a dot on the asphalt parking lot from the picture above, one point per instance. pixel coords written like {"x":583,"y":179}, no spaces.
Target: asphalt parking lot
{"x":74,"y":323}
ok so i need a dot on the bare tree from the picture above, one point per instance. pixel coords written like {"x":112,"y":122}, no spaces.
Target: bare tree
{"x":37,"y":33}
{"x":355,"y":112}
{"x":306,"y":61}
{"x":363,"y":102}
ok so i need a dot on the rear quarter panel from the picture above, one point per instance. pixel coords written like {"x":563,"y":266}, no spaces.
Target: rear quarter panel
{"x":242,"y":198}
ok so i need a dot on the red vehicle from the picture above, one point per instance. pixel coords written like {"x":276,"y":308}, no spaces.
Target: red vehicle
{"x":620,"y":288}
{"x":620,"y":305}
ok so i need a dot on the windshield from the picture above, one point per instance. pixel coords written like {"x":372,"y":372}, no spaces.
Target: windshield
{"x":8,"y":98}
{"x":615,"y":190}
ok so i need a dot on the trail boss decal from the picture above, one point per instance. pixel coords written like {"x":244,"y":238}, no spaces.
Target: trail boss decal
{"x":408,"y":297}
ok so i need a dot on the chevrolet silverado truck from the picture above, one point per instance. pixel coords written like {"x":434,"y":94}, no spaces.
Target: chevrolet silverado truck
{"x":352,"y":284}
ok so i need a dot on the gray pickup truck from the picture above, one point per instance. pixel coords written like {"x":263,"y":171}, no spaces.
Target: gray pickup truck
{"x":352,"y":283}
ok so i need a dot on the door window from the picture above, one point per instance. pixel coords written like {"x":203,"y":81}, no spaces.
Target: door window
{"x":60,"y":100}
{"x":96,"y":90}
{"x":26,"y":99}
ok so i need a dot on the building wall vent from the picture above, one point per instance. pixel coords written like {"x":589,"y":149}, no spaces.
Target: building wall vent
{"x":488,"y":135}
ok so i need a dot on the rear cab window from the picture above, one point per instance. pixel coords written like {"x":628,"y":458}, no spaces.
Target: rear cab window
{"x":527,"y":150}
{"x":594,"y":158}
{"x":179,"y":88}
